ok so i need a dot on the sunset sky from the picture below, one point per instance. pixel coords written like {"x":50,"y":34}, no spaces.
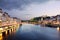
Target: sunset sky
{"x":27,"y":9}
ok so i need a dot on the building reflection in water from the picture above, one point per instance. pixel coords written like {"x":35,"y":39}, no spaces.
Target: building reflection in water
{"x":1,"y":36}
{"x":58,"y":28}
{"x":4,"y":35}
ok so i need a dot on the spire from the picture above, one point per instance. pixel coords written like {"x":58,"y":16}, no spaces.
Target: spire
{"x":1,"y":10}
{"x":5,"y":13}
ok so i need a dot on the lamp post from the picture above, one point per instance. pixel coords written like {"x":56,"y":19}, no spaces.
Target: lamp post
{"x":0,"y":23}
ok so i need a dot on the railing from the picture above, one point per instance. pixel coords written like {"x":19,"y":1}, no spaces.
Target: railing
{"x":6,"y":26}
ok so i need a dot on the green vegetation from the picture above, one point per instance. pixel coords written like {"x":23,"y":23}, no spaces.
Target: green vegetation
{"x":36,"y":19}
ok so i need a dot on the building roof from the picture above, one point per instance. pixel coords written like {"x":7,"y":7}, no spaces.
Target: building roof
{"x":58,"y":15}
{"x":0,"y":9}
{"x":6,"y":14}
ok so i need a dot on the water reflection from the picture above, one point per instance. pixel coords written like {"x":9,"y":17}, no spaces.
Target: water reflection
{"x":58,"y":28}
{"x":8,"y":33}
{"x":37,"y":32}
{"x":1,"y":36}
{"x":33,"y":32}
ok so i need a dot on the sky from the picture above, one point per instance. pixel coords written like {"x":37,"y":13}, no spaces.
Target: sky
{"x":27,"y":9}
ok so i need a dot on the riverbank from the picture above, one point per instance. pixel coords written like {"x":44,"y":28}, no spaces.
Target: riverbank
{"x":48,"y":24}
{"x":55,"y":26}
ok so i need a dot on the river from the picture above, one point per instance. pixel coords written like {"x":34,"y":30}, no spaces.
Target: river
{"x":34,"y":32}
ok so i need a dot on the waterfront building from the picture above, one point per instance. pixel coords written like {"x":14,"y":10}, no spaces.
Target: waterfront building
{"x":11,"y":20}
{"x":3,"y":19}
{"x":1,"y":14}
{"x":16,"y":20}
{"x":6,"y":20}
{"x":58,"y":17}
{"x":7,"y":16}
{"x":42,"y":18}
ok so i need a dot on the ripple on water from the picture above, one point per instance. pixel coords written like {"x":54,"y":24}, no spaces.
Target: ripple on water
{"x":36,"y":32}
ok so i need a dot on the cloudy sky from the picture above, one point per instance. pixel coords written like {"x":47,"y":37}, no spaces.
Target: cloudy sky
{"x":27,"y":9}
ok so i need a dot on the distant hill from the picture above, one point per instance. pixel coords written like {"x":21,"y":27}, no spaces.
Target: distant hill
{"x":39,"y":18}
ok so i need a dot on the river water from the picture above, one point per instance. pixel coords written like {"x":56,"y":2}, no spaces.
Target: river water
{"x":34,"y":32}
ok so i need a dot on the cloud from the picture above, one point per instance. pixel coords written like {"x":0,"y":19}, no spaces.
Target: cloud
{"x":13,"y":4}
{"x":27,"y":9}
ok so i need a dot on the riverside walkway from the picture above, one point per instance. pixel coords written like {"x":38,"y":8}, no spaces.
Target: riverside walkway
{"x":6,"y":27}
